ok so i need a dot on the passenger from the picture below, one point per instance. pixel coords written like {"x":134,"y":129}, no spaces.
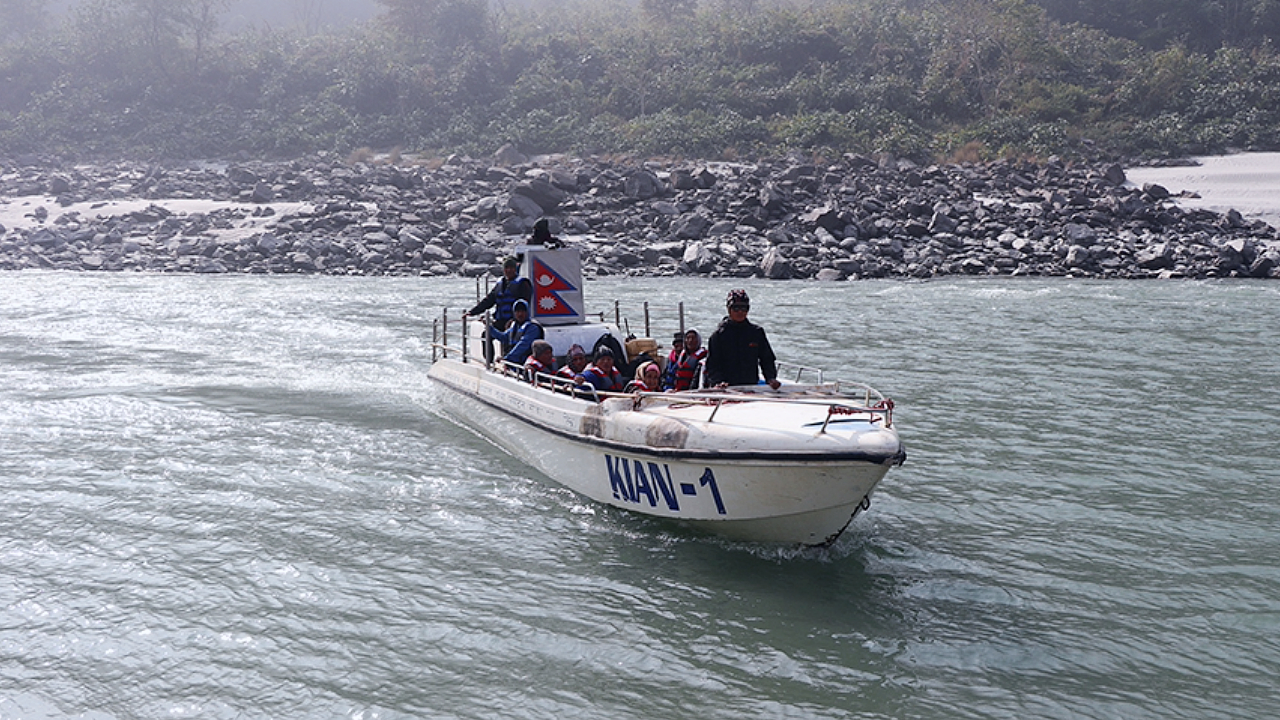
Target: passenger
{"x":575,"y":363}
{"x":602,"y":374}
{"x":648,"y":378}
{"x":502,"y":299}
{"x":739,"y":350}
{"x":542,"y":360}
{"x":669,"y":374}
{"x":520,"y":336}
{"x":542,"y":235}
{"x":686,"y":366}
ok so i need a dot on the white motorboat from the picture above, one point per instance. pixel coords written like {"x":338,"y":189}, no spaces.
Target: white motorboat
{"x":793,"y":465}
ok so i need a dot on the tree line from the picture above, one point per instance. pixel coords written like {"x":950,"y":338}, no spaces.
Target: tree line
{"x":957,"y":79}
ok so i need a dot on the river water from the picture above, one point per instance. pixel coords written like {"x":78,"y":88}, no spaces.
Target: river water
{"x":230,"y":497}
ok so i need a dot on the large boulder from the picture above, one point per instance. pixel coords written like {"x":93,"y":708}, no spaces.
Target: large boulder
{"x":262,"y":193}
{"x":1078,"y":234}
{"x":692,"y":227}
{"x":824,"y":216}
{"x":524,"y":206}
{"x":541,"y":191}
{"x":243,"y":177}
{"x":776,"y":267}
{"x":509,"y":155}
{"x":59,"y":185}
{"x":1266,"y":264}
{"x":1078,"y":258}
{"x":683,"y":180}
{"x":772,"y":199}
{"x":1156,"y":257}
{"x":699,"y":258}
{"x":642,"y":185}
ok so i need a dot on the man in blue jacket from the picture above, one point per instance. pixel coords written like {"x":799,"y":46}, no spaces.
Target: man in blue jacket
{"x":520,"y":336}
{"x":509,"y":289}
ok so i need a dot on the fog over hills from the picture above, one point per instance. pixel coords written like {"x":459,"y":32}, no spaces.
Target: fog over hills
{"x":309,"y":14}
{"x":965,"y":80}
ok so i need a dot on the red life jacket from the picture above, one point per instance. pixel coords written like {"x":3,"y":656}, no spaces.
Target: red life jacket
{"x":532,"y":367}
{"x":686,"y":367}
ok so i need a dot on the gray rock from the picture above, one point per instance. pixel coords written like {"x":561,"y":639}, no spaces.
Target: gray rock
{"x":547,"y":196}
{"x":642,"y":185}
{"x":724,"y":227}
{"x":683,"y":180}
{"x":517,"y":224}
{"x":941,"y":223}
{"x":59,"y":185}
{"x":209,"y":266}
{"x":699,"y":258}
{"x":262,"y":193}
{"x":772,"y":199}
{"x":1266,"y":265}
{"x":563,"y":179}
{"x":509,"y":155}
{"x":242,"y":176}
{"x":692,"y":227}
{"x":1078,"y":234}
{"x":1156,"y":257}
{"x":1078,"y":257}
{"x":433,"y":253}
{"x":524,"y":206}
{"x":776,"y":267}
{"x":302,"y":262}
{"x":824,"y":216}
{"x":1155,"y":191}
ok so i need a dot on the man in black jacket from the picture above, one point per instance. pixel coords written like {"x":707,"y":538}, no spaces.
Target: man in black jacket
{"x":738,"y":347}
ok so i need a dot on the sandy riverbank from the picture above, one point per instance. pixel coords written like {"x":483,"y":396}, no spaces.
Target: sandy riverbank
{"x":1247,"y":182}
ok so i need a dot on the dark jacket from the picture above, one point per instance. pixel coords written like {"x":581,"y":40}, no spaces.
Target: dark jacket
{"x":735,"y":351}
{"x":502,"y":297}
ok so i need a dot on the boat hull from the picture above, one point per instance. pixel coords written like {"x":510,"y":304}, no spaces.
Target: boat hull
{"x":747,"y":487}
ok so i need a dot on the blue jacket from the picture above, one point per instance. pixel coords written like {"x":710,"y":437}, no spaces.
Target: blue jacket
{"x":520,"y":339}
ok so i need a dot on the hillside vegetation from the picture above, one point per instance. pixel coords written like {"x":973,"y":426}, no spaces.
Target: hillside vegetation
{"x":927,"y":79}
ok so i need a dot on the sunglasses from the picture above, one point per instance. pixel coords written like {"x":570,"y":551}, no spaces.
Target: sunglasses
{"x":743,"y":308}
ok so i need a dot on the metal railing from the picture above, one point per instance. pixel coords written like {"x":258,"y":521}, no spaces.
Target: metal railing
{"x":837,"y":402}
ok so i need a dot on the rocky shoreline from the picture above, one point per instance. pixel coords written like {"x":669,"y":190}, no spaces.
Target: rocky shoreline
{"x":853,"y":218}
